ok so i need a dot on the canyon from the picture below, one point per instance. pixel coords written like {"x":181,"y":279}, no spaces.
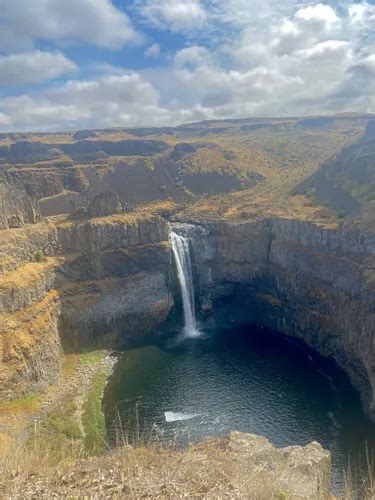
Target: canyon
{"x":308,"y":281}
{"x":105,"y":279}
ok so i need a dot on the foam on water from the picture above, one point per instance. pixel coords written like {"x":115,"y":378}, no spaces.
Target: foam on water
{"x":171,"y":416}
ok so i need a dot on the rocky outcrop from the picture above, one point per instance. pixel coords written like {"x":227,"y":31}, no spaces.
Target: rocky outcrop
{"x":106,"y":203}
{"x":16,"y":207}
{"x":109,"y":233}
{"x":32,"y":152}
{"x":236,"y":466}
{"x":86,"y":149}
{"x":45,"y":181}
{"x":307,"y":281}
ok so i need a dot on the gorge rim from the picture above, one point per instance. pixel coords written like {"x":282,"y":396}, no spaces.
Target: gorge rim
{"x":230,"y":265}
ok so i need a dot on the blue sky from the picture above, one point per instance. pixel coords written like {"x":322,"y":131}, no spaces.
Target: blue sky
{"x":68,"y":64}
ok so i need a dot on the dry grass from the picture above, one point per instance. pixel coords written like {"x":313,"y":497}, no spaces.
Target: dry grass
{"x":204,"y":471}
{"x":137,"y":217}
{"x":29,"y":275}
{"x":361,"y":487}
{"x":30,"y":404}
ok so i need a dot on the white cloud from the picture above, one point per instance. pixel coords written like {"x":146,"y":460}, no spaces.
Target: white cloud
{"x":109,"y":100}
{"x":317,"y":14}
{"x":112,"y":100}
{"x":361,"y":14}
{"x":293,"y":65}
{"x":368,"y":64}
{"x":153,"y":51}
{"x":175,"y":15}
{"x":33,"y":67}
{"x":97,"y":22}
{"x":308,"y":26}
{"x":193,"y":56}
{"x":277,"y":58}
{"x":324,"y":48}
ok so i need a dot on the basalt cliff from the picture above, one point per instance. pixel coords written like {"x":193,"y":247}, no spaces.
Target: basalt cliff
{"x":308,"y":281}
{"x":101,"y":282}
{"x":85,"y":260}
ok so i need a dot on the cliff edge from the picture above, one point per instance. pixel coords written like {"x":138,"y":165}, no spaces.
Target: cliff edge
{"x":236,"y":466}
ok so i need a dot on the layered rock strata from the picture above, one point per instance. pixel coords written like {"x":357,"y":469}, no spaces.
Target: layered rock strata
{"x":310,"y":282}
{"x":98,"y":282}
{"x":107,"y":281}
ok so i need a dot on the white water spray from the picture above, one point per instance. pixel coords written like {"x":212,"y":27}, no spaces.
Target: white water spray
{"x":181,"y":252}
{"x":171,"y":416}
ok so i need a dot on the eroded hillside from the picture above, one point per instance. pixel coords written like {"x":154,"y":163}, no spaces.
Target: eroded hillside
{"x":262,"y":160}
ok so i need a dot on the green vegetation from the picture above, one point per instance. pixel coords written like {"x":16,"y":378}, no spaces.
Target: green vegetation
{"x":28,"y":404}
{"x":149,"y":164}
{"x":93,"y":418}
{"x":91,"y":358}
{"x":75,"y":427}
{"x":59,"y":426}
{"x":39,"y":256}
{"x":63,"y":424}
{"x":280,"y":495}
{"x":341,"y":214}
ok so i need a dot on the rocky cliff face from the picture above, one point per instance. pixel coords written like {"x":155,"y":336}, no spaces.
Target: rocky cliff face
{"x":105,"y":282}
{"x":347,"y":181}
{"x":307,"y":281}
{"x":101,"y":282}
{"x":16,"y":207}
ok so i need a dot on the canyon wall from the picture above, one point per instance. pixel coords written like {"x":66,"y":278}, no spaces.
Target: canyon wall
{"x":310,"y":282}
{"x":106,"y":282}
{"x":74,"y":285}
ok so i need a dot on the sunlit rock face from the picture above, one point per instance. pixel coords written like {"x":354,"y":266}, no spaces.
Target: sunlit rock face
{"x":17,"y":208}
{"x":78,"y":284}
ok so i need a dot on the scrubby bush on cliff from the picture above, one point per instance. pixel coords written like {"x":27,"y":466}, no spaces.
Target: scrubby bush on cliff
{"x":39,"y":256}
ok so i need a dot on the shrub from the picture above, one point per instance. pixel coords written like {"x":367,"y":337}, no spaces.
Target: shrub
{"x":280,"y":495}
{"x":39,"y":256}
{"x":341,"y":214}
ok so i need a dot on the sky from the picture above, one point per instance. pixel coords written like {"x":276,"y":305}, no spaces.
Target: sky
{"x":76,"y":64}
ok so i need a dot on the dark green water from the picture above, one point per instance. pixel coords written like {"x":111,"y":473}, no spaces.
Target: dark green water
{"x":244,"y":379}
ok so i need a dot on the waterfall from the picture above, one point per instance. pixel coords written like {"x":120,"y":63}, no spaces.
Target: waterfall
{"x":181,"y":252}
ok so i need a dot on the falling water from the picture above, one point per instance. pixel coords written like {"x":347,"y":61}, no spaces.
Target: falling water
{"x":180,"y":247}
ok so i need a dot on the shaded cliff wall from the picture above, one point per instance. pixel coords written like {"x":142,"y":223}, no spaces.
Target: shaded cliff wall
{"x":103,"y":282}
{"x":310,"y":282}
